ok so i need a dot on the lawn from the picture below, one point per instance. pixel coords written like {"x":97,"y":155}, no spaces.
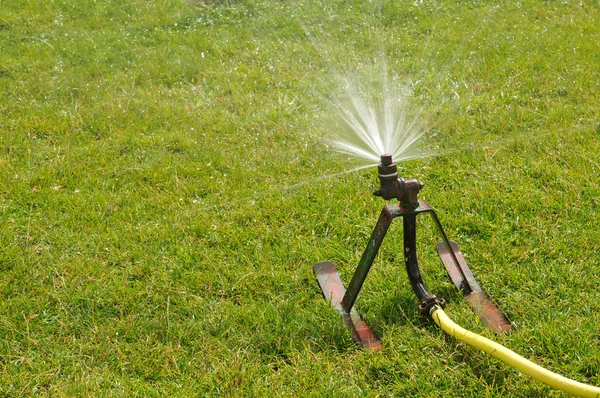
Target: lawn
{"x":166,"y":187}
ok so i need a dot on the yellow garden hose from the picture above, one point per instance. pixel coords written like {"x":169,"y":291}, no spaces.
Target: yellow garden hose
{"x":511,"y":358}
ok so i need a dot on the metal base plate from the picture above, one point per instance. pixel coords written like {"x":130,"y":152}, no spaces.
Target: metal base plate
{"x":333,"y":290}
{"x":478,"y":301}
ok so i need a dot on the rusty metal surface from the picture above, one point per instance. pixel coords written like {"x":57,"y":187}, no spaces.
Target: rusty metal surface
{"x":457,"y":268}
{"x":333,"y":291}
{"x":464,"y":281}
{"x":489,"y":314}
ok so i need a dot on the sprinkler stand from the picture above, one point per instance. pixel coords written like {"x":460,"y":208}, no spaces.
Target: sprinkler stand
{"x":409,"y":208}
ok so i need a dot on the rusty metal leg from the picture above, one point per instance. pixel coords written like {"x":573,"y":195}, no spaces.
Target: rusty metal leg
{"x":333,"y":290}
{"x":481,"y":305}
{"x":466,"y":282}
{"x":343,"y":300}
{"x":463,"y":279}
{"x":410,"y":259}
{"x":368,"y":256}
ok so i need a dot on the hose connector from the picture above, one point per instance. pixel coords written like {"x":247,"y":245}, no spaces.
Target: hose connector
{"x":426,"y":306}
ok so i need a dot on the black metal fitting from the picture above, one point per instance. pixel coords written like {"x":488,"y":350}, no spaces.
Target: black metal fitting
{"x":406,"y":191}
{"x":426,"y":305}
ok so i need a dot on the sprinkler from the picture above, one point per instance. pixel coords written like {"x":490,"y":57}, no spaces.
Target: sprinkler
{"x":409,"y":207}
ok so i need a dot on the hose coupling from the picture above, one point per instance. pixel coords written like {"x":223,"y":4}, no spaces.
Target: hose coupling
{"x":427,"y":304}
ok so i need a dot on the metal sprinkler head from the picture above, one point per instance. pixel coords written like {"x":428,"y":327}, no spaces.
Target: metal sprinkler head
{"x":391,"y":186}
{"x":406,"y":191}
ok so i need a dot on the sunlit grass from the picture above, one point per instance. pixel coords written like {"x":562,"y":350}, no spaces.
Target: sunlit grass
{"x":162,"y":196}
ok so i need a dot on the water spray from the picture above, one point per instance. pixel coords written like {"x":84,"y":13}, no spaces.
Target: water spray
{"x":409,"y":207}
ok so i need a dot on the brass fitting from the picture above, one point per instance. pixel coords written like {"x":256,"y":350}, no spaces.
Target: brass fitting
{"x":406,"y":191}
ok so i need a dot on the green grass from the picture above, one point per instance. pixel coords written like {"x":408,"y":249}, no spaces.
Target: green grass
{"x":162,"y":203}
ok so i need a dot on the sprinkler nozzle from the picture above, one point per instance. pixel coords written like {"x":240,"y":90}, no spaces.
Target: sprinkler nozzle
{"x":391,"y":186}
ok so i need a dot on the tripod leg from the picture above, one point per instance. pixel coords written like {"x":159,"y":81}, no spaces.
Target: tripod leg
{"x":385,"y":219}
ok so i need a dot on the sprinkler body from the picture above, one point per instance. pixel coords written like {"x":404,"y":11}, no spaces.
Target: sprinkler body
{"x":392,"y":187}
{"x":409,"y":207}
